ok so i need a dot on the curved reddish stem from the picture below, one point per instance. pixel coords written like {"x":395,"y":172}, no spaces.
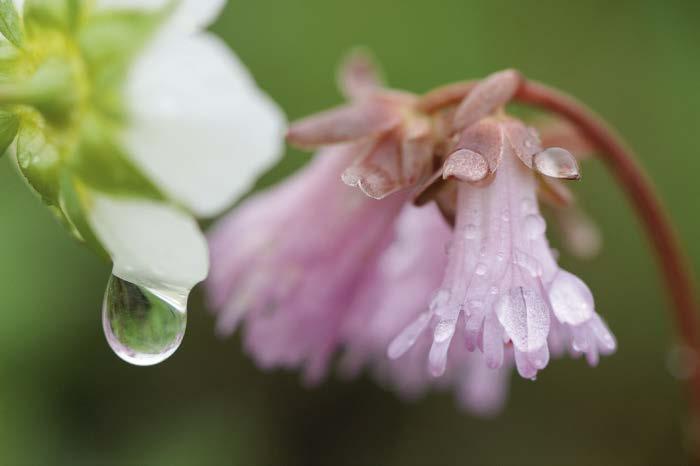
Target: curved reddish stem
{"x":622,"y":162}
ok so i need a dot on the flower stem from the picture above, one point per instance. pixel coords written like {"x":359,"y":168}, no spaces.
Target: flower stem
{"x":622,"y":162}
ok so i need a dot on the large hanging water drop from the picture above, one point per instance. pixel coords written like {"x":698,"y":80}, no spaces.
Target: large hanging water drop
{"x":144,"y":326}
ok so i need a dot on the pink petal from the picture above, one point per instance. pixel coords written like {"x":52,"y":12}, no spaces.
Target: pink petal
{"x":346,"y":123}
{"x":491,"y":93}
{"x":378,"y":173}
{"x":359,"y":75}
{"x":524,"y":141}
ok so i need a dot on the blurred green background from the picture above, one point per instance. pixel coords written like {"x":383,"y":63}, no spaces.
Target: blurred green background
{"x":66,"y":399}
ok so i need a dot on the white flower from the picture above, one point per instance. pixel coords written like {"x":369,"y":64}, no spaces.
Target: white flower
{"x":183,"y":131}
{"x":198,"y":128}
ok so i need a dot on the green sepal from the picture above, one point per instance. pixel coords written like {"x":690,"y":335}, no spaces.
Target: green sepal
{"x":101,"y":163}
{"x":74,"y":202}
{"x":114,"y":37}
{"x":38,"y":158}
{"x":109,"y":42}
{"x":10,"y":62}
{"x":52,"y":89}
{"x":10,"y":24}
{"x":52,"y":14}
{"x":9,"y":125}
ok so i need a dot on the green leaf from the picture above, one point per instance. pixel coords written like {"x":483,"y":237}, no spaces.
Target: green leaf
{"x":10,"y":25}
{"x":38,"y":159}
{"x":9,"y":125}
{"x":101,"y":163}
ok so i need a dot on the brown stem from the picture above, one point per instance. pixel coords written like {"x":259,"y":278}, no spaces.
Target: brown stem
{"x":622,"y":162}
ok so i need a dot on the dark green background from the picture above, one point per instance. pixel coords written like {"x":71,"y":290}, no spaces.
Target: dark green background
{"x":66,"y":399}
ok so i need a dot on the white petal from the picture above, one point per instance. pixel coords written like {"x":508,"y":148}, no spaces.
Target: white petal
{"x":200,"y":128}
{"x":190,"y":15}
{"x":150,"y":243}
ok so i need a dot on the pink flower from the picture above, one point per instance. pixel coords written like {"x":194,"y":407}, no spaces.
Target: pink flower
{"x":288,"y":262}
{"x":502,"y":287}
{"x":313,"y":267}
{"x":395,"y":141}
{"x":395,"y":293}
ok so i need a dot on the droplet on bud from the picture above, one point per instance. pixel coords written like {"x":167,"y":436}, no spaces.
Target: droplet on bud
{"x":144,"y":326}
{"x":465,"y":165}
{"x":557,"y":163}
{"x":470,"y":231}
{"x":534,"y":226}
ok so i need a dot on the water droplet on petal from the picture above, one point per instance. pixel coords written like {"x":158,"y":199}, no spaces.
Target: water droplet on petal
{"x":465,"y":165}
{"x":534,"y":226}
{"x":525,"y":318}
{"x":439,"y":299}
{"x":557,"y":163}
{"x":444,"y":330}
{"x":527,"y":205}
{"x":527,"y":263}
{"x":481,"y":269}
{"x":475,"y":304}
{"x":144,"y":326}
{"x":470,"y":231}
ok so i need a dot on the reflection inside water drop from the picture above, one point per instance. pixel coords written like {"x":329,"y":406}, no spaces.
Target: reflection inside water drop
{"x":144,"y":326}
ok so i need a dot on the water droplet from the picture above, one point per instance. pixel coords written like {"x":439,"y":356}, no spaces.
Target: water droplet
{"x":493,"y":290}
{"x":527,"y":263}
{"x":557,"y":163}
{"x":527,"y":205}
{"x":505,"y":215}
{"x":466,"y":165}
{"x":475,"y":304}
{"x":144,"y":326}
{"x":439,"y":299}
{"x":444,"y":330}
{"x":481,"y":269}
{"x":534,"y":226}
{"x":470,"y":231}
{"x":501,"y":256}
